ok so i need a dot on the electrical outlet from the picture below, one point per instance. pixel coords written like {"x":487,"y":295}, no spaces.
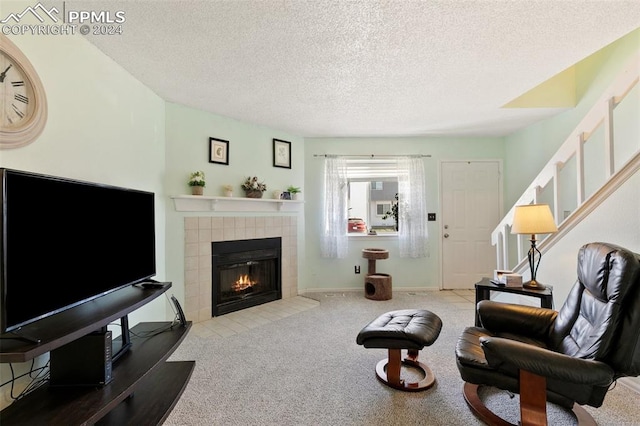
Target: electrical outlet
{"x":431,"y":216}
{"x":356,"y":269}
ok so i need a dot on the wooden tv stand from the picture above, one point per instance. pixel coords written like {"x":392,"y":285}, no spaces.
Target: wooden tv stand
{"x":145,"y":387}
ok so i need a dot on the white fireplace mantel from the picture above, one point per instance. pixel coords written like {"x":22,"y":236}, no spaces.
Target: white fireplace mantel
{"x":202,"y":203}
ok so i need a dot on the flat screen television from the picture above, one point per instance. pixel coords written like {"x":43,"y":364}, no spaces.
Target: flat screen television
{"x":65,"y":242}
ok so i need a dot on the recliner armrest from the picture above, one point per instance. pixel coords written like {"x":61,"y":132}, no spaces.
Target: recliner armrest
{"x":546,"y":363}
{"x":510,"y":318}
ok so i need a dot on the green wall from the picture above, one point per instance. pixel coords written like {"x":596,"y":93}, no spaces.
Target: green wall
{"x":103,"y":126}
{"x":324,"y":274}
{"x":527,"y":151}
{"x":250,"y":154}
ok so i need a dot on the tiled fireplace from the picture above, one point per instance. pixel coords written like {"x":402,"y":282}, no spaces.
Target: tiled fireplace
{"x":200,"y":232}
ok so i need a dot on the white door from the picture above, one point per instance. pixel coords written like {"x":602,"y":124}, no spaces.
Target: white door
{"x":471,"y":206}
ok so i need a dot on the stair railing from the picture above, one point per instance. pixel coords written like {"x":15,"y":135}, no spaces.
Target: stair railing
{"x":573,"y":147}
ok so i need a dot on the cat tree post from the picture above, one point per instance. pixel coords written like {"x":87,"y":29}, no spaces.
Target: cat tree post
{"x":377,"y":286}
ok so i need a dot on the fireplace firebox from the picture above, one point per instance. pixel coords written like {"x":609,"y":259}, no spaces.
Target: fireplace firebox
{"x":245,"y":273}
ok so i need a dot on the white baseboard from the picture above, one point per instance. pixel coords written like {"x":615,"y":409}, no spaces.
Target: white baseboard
{"x":329,"y":290}
{"x":632,"y":383}
{"x":361,"y":289}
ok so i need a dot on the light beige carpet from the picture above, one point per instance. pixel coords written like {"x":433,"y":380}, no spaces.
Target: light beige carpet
{"x":306,"y":369}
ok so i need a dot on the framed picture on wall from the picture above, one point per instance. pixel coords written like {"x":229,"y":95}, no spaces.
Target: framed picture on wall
{"x":281,"y":154}
{"x":218,"y":151}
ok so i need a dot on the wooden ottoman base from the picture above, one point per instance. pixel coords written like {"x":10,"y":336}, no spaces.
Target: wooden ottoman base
{"x":388,"y":371}
{"x":410,"y":329}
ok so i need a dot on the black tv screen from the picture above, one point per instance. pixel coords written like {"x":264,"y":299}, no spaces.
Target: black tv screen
{"x":65,"y":242}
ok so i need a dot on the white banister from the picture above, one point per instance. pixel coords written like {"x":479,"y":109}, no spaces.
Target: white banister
{"x":573,"y":147}
{"x":500,"y":251}
{"x":608,"y":138}
{"x":556,"y":191}
{"x":580,"y":169}
{"x":505,"y":250}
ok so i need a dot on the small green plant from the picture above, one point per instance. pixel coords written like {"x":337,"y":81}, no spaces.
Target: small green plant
{"x":393,"y":212}
{"x":294,"y":190}
{"x":197,"y":179}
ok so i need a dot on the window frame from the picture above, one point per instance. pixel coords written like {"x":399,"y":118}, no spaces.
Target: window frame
{"x":373,"y":171}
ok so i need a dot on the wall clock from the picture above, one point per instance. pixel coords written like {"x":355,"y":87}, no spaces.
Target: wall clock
{"x":23,"y":103}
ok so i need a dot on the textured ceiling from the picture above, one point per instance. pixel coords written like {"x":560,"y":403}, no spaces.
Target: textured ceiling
{"x":361,"y":68}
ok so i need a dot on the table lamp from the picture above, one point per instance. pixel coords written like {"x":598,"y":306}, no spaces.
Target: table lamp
{"x":533,"y":219}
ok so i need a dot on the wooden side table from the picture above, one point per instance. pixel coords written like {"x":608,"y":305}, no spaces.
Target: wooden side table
{"x":485,"y":287}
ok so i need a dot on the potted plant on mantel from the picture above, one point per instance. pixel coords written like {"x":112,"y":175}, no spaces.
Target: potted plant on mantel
{"x":294,"y":191}
{"x":196,"y":182}
{"x":253,"y":188}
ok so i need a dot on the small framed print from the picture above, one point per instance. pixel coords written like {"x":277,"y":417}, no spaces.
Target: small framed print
{"x":281,"y":154}
{"x":218,"y":151}
{"x":285,"y":196}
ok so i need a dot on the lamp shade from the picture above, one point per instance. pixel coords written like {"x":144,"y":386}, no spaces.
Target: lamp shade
{"x":533,"y":219}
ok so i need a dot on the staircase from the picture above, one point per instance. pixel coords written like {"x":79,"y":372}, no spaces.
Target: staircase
{"x":589,"y":166}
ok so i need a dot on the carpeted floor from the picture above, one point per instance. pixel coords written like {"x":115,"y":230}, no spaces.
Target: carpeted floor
{"x":306,"y":369}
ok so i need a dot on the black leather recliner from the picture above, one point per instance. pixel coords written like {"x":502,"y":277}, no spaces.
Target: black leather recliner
{"x":575,"y":354}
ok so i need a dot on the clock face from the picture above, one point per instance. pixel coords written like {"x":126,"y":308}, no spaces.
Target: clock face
{"x":23,"y":103}
{"x":16,"y":94}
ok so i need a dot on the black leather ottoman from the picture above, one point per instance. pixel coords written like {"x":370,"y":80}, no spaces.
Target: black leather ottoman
{"x":410,"y":329}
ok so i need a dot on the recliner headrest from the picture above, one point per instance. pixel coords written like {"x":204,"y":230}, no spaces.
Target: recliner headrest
{"x":603,"y":271}
{"x":612,"y":274}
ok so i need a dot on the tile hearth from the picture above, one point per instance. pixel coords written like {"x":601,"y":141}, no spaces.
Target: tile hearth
{"x":237,"y":322}
{"x":241,"y":321}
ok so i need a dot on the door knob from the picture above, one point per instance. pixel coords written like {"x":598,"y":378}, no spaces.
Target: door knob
{"x":446,"y":235}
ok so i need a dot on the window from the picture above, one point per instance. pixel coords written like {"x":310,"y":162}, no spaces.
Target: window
{"x":348,"y":192}
{"x":382,"y":208}
{"x":373,"y":185}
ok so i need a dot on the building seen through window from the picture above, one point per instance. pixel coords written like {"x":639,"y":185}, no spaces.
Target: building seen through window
{"x":355,"y":198}
{"x":373,"y":185}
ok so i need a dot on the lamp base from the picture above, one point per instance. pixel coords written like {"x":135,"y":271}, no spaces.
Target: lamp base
{"x":533,"y":285}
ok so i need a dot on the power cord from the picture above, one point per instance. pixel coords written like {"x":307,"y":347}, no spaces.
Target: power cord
{"x":41,"y":377}
{"x":42,"y":373}
{"x":159,"y":330}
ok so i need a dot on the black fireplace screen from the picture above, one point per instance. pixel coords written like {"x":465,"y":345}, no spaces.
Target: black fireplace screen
{"x":245,"y":273}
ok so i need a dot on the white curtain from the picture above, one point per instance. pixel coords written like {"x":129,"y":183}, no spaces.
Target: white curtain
{"x":334,"y":242}
{"x":412,"y":208}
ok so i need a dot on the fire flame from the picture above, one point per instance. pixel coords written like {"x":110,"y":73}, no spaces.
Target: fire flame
{"x":243,"y":283}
